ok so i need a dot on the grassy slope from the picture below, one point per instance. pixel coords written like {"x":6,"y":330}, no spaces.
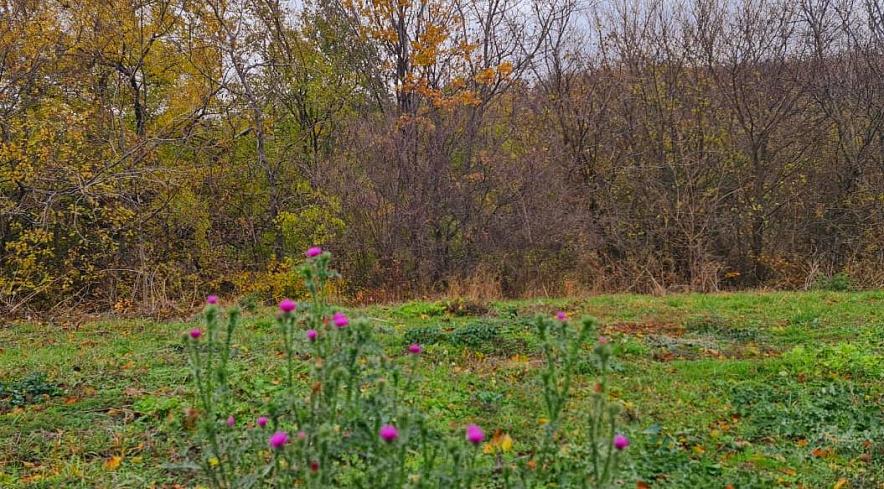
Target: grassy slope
{"x":749,"y":389}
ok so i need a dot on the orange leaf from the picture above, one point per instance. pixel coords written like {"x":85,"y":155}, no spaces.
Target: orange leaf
{"x":642,"y":485}
{"x":113,"y":463}
{"x":841,"y":483}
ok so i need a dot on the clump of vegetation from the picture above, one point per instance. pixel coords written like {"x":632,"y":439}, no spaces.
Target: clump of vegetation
{"x":475,"y":334}
{"x":461,"y":307}
{"x":30,"y":389}
{"x":425,"y":335}
{"x":419,"y":309}
{"x":353,"y":422}
{"x":838,"y":282}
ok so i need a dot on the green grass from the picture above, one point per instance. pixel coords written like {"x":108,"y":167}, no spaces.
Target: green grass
{"x":749,"y":389}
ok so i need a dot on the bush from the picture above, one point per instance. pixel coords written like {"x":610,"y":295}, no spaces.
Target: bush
{"x":352,"y":423}
{"x":836,"y":283}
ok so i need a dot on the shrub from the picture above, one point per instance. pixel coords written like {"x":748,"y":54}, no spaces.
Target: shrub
{"x":353,"y":422}
{"x":835,"y":283}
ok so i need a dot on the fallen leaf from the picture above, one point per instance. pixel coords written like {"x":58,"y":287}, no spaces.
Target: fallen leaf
{"x":841,"y":483}
{"x":820,"y":452}
{"x":113,"y":463}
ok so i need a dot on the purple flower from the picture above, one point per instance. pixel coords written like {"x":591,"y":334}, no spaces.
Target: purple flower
{"x":561,"y":316}
{"x":195,"y":333}
{"x":311,"y":334}
{"x":231,"y":421}
{"x":301,"y":435}
{"x":212,"y":299}
{"x":279,"y":439}
{"x":415,"y":348}
{"x":340,"y":319}
{"x":315,"y":251}
{"x":475,"y":434}
{"x":603,"y":341}
{"x":314,"y":466}
{"x":620,"y":442}
{"x":262,"y":421}
{"x":287,"y":305}
{"x":389,"y":433}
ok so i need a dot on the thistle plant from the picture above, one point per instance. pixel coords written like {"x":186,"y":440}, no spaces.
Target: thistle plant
{"x":345,"y":414}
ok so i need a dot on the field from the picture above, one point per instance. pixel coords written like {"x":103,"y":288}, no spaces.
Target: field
{"x":724,"y":390}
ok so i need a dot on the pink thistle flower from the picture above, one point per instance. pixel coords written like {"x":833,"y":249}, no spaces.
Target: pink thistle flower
{"x":262,"y":421}
{"x":389,"y":433}
{"x":195,"y":333}
{"x":231,"y":421}
{"x":475,"y":434}
{"x":415,"y":348}
{"x":311,"y":334}
{"x":212,"y":299}
{"x":301,"y":435}
{"x":603,"y":341}
{"x":287,"y":305}
{"x":278,"y":439}
{"x":561,"y":316}
{"x":620,"y":442}
{"x":314,"y":251}
{"x":340,"y":319}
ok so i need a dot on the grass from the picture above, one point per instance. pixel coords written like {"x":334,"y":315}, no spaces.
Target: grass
{"x":743,"y":389}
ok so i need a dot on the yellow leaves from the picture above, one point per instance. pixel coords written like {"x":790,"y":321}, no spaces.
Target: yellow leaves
{"x":113,"y":463}
{"x":504,"y":70}
{"x":506,"y":444}
{"x":841,"y":483}
{"x":485,"y":77}
{"x":499,"y":442}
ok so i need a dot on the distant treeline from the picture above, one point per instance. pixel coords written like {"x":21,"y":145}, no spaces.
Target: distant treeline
{"x":153,"y":151}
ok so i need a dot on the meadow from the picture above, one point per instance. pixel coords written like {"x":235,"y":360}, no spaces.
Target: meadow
{"x":726,"y":390}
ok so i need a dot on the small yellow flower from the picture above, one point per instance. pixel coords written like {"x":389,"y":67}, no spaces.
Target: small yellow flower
{"x":213,"y":462}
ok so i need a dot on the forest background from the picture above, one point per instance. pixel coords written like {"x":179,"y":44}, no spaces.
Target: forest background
{"x":154,"y":151}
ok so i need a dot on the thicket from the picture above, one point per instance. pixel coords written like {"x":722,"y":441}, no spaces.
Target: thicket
{"x":153,"y":149}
